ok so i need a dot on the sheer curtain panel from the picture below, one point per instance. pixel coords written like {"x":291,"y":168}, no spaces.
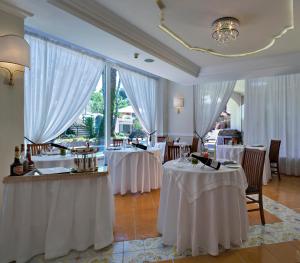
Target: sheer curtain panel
{"x":58,"y":87}
{"x":210,"y":99}
{"x":272,"y":112}
{"x":141,"y":92}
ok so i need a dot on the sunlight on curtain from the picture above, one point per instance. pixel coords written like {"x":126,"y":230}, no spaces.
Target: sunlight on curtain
{"x":58,"y":87}
{"x":141,"y":92}
{"x":210,"y":99}
{"x":272,"y":109}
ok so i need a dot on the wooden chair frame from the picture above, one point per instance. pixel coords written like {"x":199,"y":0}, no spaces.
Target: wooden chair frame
{"x":253,"y":164}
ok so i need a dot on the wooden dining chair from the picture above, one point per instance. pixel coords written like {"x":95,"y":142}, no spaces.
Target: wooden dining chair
{"x":173,"y":152}
{"x":117,"y":142}
{"x":274,"y":157}
{"x":253,"y":165}
{"x":37,"y":148}
{"x":194,"y":147}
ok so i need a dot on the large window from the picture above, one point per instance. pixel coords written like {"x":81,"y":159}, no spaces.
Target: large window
{"x":92,"y":125}
{"x":124,"y":123}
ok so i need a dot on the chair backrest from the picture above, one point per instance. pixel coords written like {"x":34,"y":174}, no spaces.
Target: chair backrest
{"x":274,"y":151}
{"x":161,"y":138}
{"x":117,"y":142}
{"x":195,"y":142}
{"x":39,"y":147}
{"x":173,"y":152}
{"x":253,"y":165}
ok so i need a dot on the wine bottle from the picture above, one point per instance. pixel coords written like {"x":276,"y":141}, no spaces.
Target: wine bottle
{"x":207,"y":161}
{"x":16,"y":169}
{"x":25,"y":163}
{"x":22,"y":156}
{"x":138,"y":145}
{"x":30,"y":164}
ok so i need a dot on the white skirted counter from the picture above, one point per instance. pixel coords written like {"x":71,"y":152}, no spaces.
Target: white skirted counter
{"x":134,"y":170}
{"x":54,"y":214}
{"x":201,"y":209}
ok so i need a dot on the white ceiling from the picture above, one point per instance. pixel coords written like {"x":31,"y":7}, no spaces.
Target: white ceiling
{"x":262,"y":18}
{"x":192,"y":20}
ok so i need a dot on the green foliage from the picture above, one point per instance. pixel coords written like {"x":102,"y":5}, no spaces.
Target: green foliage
{"x":89,"y":123}
{"x":96,"y":102}
{"x":69,"y":131}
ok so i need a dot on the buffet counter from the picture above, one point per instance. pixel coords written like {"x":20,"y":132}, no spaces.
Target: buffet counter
{"x":55,"y":213}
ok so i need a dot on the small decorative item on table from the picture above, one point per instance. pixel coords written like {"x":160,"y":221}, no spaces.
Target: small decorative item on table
{"x":86,"y":159}
{"x":194,"y":161}
{"x":63,"y":152}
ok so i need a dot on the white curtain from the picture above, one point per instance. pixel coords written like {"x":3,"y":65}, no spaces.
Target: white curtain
{"x":141,"y":92}
{"x":210,"y":99}
{"x":58,"y":86}
{"x":272,"y":109}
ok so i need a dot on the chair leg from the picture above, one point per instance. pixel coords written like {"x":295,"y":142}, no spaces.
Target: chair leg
{"x":261,"y":209}
{"x":277,"y":168}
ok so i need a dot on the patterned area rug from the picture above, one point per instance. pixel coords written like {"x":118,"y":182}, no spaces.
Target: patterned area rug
{"x":152,"y":249}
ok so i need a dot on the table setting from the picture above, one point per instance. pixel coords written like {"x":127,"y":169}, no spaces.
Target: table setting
{"x":202,"y":208}
{"x":133,"y":169}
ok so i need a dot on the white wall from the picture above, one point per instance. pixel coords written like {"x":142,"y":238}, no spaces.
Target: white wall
{"x":11,"y":103}
{"x":162,"y":107}
{"x":180,"y":124}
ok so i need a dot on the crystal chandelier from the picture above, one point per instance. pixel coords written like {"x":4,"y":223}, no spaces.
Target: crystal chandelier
{"x":225,"y":29}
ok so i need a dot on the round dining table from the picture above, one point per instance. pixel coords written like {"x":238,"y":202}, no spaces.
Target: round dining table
{"x":235,"y":153}
{"x":134,"y":170}
{"x":202,"y":209}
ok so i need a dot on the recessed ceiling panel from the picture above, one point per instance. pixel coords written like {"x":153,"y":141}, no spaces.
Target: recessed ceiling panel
{"x":261,"y":23}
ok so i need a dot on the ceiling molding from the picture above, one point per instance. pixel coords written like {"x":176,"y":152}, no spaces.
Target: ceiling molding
{"x":101,"y":17}
{"x":188,"y":46}
{"x":14,"y":10}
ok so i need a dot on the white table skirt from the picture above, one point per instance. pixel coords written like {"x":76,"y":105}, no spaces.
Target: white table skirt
{"x":134,"y":170}
{"x":53,"y":217}
{"x":203,"y":221}
{"x":235,"y":153}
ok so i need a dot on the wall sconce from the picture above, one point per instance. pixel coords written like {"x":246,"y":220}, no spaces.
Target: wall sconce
{"x":178,"y":103}
{"x":14,"y":50}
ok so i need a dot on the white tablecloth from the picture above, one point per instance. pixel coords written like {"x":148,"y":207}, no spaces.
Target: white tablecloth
{"x":235,"y":153}
{"x":162,"y":147}
{"x":53,"y":217}
{"x":134,"y":170}
{"x":201,"y":208}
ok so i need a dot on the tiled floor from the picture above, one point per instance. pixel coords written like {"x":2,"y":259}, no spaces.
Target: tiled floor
{"x":136,"y":216}
{"x":136,"y":219}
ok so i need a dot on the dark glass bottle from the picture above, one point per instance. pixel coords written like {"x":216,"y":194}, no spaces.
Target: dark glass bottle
{"x":16,"y":169}
{"x":207,"y":161}
{"x":31,"y":165}
{"x":138,"y":145}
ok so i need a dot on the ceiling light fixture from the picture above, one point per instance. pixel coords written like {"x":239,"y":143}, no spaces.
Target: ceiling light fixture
{"x":225,"y":29}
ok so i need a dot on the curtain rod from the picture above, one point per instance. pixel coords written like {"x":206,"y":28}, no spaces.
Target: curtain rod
{"x":85,"y":51}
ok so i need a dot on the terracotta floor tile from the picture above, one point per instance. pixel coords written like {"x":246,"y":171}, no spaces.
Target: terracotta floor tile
{"x":257,"y":254}
{"x":284,"y":252}
{"x":138,"y":213}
